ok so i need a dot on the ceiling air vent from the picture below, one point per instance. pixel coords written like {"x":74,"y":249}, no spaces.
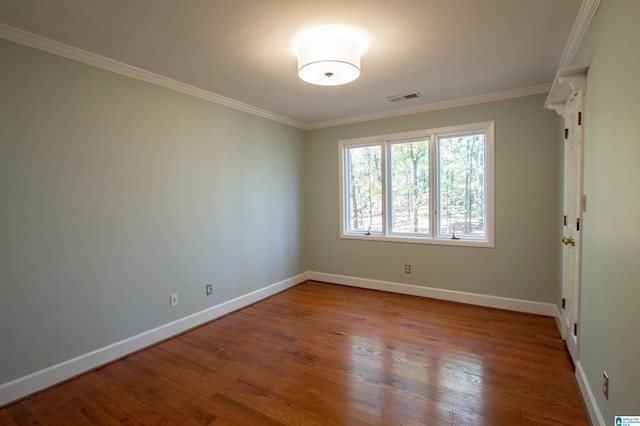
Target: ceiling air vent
{"x":403,"y":97}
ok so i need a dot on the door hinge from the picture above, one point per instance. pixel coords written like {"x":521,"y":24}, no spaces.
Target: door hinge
{"x":565,"y":220}
{"x":579,"y":118}
{"x":564,"y":303}
{"x":566,"y":133}
{"x":577,"y":224}
{"x":575,"y":328}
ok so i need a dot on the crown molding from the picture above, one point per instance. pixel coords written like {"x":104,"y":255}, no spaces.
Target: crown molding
{"x":51,"y":46}
{"x":436,"y":106}
{"x":581,"y":24}
{"x":580,"y":27}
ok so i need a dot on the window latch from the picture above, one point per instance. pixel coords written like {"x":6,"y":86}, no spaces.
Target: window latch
{"x":453,"y":237}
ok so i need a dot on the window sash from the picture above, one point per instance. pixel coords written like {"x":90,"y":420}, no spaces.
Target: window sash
{"x":391,"y":206}
{"x":443,"y":206}
{"x":351,"y":189}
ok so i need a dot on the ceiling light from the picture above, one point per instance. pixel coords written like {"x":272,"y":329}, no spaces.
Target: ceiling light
{"x":329,"y":55}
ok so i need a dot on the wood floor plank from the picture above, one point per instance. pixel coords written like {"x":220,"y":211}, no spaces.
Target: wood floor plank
{"x":20,"y":414}
{"x":41,"y":408}
{"x":65,"y":402}
{"x":115,"y":401}
{"x":321,"y":354}
{"x":274,"y":378}
{"x":6,"y":419}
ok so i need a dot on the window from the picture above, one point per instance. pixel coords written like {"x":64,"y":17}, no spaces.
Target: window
{"x":432,"y":187}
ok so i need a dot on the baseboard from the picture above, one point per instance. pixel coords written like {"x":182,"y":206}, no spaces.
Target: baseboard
{"x":547,"y":309}
{"x":39,"y":380}
{"x":27,"y":385}
{"x":587,"y":395}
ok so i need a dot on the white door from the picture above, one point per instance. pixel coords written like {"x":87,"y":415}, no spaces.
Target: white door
{"x":573,"y":207}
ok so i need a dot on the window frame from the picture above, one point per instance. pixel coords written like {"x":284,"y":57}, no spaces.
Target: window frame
{"x":385,"y":141}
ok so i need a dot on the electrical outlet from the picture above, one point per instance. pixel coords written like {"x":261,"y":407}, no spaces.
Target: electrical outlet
{"x":173,"y":300}
{"x":407,"y":269}
{"x":209,"y":289}
{"x":605,"y":384}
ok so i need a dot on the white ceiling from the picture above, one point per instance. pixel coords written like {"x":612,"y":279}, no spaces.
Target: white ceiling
{"x":240,"y":49}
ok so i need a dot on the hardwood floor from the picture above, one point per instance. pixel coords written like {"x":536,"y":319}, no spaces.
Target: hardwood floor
{"x":321,"y":354}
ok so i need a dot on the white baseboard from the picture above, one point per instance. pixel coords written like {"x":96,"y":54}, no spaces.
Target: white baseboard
{"x":27,"y":385}
{"x":547,"y":309}
{"x":587,"y":395}
{"x":39,"y":380}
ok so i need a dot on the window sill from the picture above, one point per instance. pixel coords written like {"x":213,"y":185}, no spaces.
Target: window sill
{"x":420,"y":240}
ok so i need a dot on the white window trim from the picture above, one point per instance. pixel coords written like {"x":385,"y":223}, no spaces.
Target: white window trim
{"x":487,"y":127}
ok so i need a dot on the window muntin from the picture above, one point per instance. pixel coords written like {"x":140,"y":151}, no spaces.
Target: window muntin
{"x":417,"y":187}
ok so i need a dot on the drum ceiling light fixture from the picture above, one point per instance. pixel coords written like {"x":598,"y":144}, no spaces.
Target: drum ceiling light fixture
{"x":329,"y":55}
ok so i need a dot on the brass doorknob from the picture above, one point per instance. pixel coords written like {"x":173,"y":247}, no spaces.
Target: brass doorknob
{"x":568,"y":241}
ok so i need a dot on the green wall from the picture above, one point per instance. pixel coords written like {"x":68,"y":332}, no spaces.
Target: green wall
{"x":115,"y":193}
{"x":525,"y":263}
{"x":611,"y":249}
